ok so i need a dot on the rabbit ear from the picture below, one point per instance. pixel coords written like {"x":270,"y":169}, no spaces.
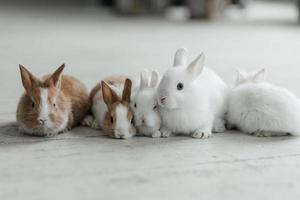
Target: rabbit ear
{"x":28,"y":79}
{"x":180,"y":57}
{"x":55,"y":78}
{"x":197,"y":65}
{"x":241,"y":76}
{"x":144,"y":79}
{"x":259,"y":75}
{"x":154,"y":79}
{"x":127,"y":91}
{"x":109,"y":96}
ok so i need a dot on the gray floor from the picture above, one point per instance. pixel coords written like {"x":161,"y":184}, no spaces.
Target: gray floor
{"x":82,"y":164}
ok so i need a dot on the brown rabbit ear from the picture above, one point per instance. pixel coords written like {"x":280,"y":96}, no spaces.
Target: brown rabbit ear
{"x":109,"y":96}
{"x":28,"y":80}
{"x":127,"y":91}
{"x":55,"y":78}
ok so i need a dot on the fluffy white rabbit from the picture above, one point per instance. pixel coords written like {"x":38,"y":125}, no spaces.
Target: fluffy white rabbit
{"x":260,"y":108}
{"x":192,"y":98}
{"x":146,"y":116}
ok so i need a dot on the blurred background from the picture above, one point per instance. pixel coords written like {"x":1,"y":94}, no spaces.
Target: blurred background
{"x":97,"y":38}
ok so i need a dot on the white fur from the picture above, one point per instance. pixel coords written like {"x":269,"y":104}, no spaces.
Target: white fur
{"x":99,"y":109}
{"x":146,"y":115}
{"x":44,"y":110}
{"x":122,"y":123}
{"x":197,"y":109}
{"x":262,"y":109}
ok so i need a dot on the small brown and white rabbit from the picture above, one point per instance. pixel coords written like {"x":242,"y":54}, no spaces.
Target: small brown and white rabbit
{"x":110,"y":106}
{"x":51,"y":105}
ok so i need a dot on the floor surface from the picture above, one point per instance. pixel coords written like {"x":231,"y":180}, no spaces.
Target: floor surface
{"x":84,"y":164}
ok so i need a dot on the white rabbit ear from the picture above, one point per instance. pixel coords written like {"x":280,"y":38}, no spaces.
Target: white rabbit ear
{"x":144,"y":79}
{"x":241,"y":76}
{"x":259,"y":75}
{"x":197,"y":65}
{"x":180,"y":57}
{"x":154,"y":79}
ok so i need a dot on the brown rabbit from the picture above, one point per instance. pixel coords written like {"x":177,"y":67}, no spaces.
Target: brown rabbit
{"x":51,"y":105}
{"x":110,"y":105}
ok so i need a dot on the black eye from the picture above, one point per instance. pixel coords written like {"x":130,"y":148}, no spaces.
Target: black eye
{"x":154,"y":107}
{"x":179,"y":86}
{"x":132,"y":120}
{"x":54,"y":105}
{"x":32,"y":104}
{"x":111,"y":119}
{"x":135,"y":105}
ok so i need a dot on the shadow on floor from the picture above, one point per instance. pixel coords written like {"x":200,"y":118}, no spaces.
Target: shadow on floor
{"x":9,"y":133}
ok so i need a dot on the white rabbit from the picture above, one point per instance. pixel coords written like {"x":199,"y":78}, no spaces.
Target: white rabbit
{"x":146,"y":116}
{"x":192,"y":99}
{"x":260,"y":108}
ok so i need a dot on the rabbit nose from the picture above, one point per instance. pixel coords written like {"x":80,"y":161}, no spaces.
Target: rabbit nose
{"x":42,"y":121}
{"x":162,"y":99}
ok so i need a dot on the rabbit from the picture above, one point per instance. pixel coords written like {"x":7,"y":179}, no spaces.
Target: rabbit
{"x":110,"y":106}
{"x":51,"y":105}
{"x":192,"y":99}
{"x":146,"y":116}
{"x":262,"y":109}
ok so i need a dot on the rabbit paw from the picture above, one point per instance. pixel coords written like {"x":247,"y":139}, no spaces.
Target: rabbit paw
{"x":201,"y":134}
{"x":259,"y":133}
{"x":165,"y":132}
{"x":51,"y":134}
{"x":90,"y":122}
{"x":156,"y":134}
{"x":219,"y":126}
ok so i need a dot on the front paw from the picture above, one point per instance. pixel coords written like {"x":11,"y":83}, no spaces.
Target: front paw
{"x":201,"y":134}
{"x":165,"y":132}
{"x":52,"y":134}
{"x":156,"y":134}
{"x":259,"y":133}
{"x":90,"y":122}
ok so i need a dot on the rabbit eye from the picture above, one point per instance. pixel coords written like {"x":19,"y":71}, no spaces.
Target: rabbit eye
{"x":111,"y":120}
{"x":54,"y":105}
{"x":32,"y":104}
{"x":131,"y":121}
{"x":135,"y":105}
{"x":179,"y":86}
{"x":154,"y":107}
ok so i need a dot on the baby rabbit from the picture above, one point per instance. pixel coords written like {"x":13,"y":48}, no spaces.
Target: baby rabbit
{"x":110,"y":105}
{"x":146,"y":116}
{"x":262,"y":109}
{"x":192,"y":99}
{"x":51,"y":105}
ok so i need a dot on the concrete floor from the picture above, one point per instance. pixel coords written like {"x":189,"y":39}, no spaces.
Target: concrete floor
{"x":83,"y":164}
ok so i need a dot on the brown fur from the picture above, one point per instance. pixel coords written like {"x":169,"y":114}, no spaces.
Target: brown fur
{"x":103,"y":92}
{"x":108,"y":127}
{"x":72,"y":98}
{"x":111,"y":80}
